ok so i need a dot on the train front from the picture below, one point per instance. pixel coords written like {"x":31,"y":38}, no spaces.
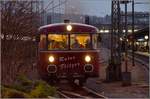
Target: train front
{"x":68,"y":51}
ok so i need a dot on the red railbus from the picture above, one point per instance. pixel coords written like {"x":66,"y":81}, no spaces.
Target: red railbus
{"x":68,"y":51}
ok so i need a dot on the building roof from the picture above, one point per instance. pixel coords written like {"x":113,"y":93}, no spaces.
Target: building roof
{"x":140,"y":33}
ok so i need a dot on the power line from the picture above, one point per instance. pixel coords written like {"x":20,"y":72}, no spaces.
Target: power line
{"x":142,"y":3}
{"x":61,"y":3}
{"x":47,"y":6}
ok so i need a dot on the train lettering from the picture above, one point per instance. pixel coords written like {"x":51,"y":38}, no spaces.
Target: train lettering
{"x":62,"y":59}
{"x":71,"y":65}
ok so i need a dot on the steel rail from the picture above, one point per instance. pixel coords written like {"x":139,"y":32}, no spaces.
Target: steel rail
{"x":81,"y":92}
{"x":95,"y":93}
{"x":61,"y":94}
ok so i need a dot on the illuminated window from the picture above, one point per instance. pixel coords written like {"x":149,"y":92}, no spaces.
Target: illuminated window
{"x":80,"y":41}
{"x":57,"y":42}
{"x":61,"y":41}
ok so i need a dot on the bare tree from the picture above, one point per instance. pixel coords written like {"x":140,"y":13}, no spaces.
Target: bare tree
{"x":19,"y":19}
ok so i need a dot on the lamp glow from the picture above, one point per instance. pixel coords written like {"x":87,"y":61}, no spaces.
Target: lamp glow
{"x":106,"y":31}
{"x":69,"y":27}
{"x":146,"y":37}
{"x":137,"y":43}
{"x":127,"y":40}
{"x":87,"y":58}
{"x":101,"y":31}
{"x":121,"y":39}
{"x":51,"y":59}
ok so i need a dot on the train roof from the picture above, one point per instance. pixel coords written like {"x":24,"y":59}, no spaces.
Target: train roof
{"x":141,"y":33}
{"x":61,"y":27}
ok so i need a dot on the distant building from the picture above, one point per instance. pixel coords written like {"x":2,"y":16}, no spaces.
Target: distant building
{"x":92,"y":20}
{"x":58,"y":18}
{"x":141,"y":19}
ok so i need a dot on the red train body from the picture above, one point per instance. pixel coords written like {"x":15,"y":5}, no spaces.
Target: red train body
{"x":67,"y":62}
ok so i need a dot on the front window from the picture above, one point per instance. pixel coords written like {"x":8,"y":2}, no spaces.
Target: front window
{"x":68,"y":41}
{"x":57,"y":42}
{"x":80,"y":41}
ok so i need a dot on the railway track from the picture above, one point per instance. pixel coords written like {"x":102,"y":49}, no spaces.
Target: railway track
{"x":141,"y":61}
{"x":68,"y":94}
{"x":79,"y":92}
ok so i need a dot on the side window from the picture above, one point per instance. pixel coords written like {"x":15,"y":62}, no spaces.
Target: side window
{"x":94,"y":41}
{"x":99,"y":40}
{"x":42,"y":44}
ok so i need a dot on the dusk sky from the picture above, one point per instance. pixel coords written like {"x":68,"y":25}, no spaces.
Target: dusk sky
{"x":95,"y":7}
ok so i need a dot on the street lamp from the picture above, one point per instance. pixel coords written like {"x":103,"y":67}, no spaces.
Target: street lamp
{"x":121,"y":39}
{"x":146,"y":38}
{"x":126,"y":76}
{"x":125,"y":31}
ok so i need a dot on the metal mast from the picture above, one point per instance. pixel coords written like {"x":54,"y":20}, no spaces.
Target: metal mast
{"x":114,"y":68}
{"x":115,"y":30}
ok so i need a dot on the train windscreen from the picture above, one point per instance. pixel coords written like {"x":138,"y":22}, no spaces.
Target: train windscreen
{"x":68,"y":41}
{"x":57,"y":42}
{"x":80,"y":41}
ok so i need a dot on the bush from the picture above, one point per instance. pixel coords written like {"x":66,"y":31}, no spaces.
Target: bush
{"x":24,"y":88}
{"x":24,"y":80}
{"x":23,"y":84}
{"x":13,"y":93}
{"x":42,"y":90}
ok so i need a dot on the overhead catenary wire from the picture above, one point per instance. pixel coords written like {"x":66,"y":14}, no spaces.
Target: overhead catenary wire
{"x":61,"y":3}
{"x":43,"y":10}
{"x":142,"y":3}
{"x":53,"y":7}
{"x":48,"y":4}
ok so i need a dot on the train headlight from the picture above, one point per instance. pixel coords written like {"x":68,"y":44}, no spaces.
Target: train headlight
{"x":69,"y":27}
{"x":87,"y":58}
{"x":51,"y":59}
